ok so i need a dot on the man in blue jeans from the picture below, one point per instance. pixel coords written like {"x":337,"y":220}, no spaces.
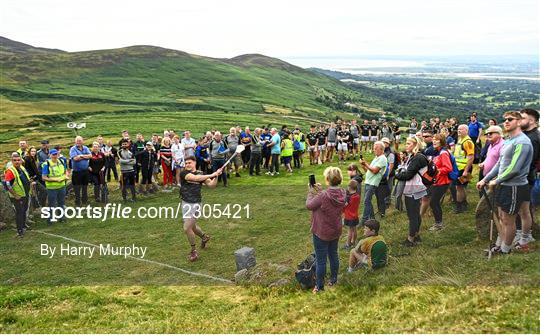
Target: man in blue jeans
{"x":374,"y":173}
{"x":54,"y":173}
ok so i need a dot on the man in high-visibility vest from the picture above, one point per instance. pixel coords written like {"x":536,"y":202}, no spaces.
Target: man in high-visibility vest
{"x":464,"y":154}
{"x":23,"y":146}
{"x":18,"y":183}
{"x":54,"y":173}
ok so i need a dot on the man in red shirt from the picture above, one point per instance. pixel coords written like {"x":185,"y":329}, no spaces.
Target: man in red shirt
{"x":18,"y":184}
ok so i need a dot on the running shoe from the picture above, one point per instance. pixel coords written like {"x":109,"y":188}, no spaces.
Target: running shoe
{"x":523,"y":248}
{"x":193,"y":256}
{"x":204,"y":240}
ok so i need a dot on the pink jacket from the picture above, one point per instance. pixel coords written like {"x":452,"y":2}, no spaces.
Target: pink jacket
{"x":326,"y":208}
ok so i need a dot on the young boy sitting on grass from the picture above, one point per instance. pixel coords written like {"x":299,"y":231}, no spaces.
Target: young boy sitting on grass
{"x":350,"y":213}
{"x":370,"y":251}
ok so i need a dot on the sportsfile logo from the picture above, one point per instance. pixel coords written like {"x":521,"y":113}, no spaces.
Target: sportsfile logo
{"x":120,"y":211}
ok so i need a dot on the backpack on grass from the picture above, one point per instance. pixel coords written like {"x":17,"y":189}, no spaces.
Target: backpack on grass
{"x":305,"y":275}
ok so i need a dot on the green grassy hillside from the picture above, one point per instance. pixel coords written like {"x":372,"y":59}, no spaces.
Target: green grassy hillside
{"x":41,"y":89}
{"x":147,"y":74}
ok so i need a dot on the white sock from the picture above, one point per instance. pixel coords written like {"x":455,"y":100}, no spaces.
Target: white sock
{"x":524,"y":238}
{"x":349,"y":269}
{"x":505,"y":248}
{"x":519,"y":233}
{"x":499,"y":241}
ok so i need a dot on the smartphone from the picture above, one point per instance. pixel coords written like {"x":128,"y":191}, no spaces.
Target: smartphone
{"x":311,"y":180}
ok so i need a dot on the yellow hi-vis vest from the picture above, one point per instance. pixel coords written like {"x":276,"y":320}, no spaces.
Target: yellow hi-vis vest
{"x":18,"y":186}
{"x":287,"y":148}
{"x":460,"y":154}
{"x":55,"y":171}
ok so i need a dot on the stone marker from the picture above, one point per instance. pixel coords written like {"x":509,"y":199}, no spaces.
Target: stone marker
{"x":245,"y":258}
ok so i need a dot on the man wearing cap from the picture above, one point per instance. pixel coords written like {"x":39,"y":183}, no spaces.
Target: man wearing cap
{"x":18,"y":183}
{"x":43,"y":153}
{"x":54,"y":173}
{"x":496,"y":141}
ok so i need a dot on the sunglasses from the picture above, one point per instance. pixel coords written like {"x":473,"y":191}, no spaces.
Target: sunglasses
{"x":510,"y":119}
{"x":427,"y":136}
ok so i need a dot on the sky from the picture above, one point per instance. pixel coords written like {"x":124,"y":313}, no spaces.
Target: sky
{"x":279,"y":28}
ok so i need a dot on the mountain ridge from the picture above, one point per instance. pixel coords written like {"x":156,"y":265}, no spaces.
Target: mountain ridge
{"x":149,"y":74}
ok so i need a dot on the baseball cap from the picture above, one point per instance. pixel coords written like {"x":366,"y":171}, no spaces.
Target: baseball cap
{"x":385,"y":140}
{"x":494,"y":129}
{"x":45,"y":142}
{"x":53,"y":152}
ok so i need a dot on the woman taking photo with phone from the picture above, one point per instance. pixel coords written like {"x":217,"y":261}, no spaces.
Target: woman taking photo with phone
{"x":326,"y":207}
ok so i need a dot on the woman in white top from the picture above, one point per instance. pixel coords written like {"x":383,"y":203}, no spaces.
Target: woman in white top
{"x":178,"y":163}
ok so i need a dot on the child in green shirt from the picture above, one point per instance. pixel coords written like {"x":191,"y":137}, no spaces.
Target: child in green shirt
{"x":371,"y":251}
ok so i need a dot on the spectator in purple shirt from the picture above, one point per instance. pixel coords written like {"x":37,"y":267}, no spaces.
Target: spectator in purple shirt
{"x":494,"y":136}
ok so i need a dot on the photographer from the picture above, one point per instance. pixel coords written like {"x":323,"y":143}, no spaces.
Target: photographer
{"x":326,"y":207}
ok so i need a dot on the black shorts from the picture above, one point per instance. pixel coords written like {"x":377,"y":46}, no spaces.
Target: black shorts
{"x":351,"y":223}
{"x":457,"y":182}
{"x":510,"y":198}
{"x":146,"y":176}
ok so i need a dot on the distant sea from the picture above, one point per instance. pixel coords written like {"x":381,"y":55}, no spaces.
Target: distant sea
{"x":475,"y":67}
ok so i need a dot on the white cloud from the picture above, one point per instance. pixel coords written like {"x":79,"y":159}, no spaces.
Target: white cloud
{"x":280,"y":28}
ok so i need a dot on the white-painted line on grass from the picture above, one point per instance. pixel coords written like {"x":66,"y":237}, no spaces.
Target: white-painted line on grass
{"x":198,"y":274}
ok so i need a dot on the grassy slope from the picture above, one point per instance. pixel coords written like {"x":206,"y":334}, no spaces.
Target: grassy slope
{"x":41,"y":89}
{"x":151,"y":74}
{"x":444,"y":285}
